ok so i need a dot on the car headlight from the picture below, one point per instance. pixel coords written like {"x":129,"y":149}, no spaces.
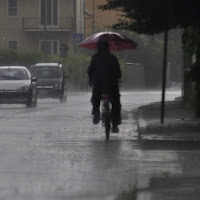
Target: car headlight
{"x":23,"y":89}
{"x":57,"y":85}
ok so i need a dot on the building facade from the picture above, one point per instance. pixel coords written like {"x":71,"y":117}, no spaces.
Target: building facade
{"x":40,"y":25}
{"x":97,"y":20}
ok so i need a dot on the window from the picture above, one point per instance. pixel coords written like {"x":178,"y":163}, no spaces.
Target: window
{"x":46,"y":72}
{"x":50,"y":47}
{"x":12,"y":8}
{"x":51,"y":8}
{"x":13,"y":73}
{"x":12,"y":45}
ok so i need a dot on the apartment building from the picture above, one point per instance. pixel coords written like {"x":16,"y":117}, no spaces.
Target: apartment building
{"x":97,"y":20}
{"x":40,"y":25}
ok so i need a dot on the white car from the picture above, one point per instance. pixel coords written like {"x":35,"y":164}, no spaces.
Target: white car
{"x":17,"y":86}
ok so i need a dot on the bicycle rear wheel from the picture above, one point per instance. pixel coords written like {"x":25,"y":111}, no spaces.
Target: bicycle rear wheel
{"x":107,"y":125}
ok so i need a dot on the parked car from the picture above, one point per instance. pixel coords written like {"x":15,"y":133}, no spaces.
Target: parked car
{"x":17,"y":86}
{"x":51,"y":80}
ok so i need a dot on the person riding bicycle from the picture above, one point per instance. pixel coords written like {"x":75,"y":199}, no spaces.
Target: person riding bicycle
{"x":104,"y":74}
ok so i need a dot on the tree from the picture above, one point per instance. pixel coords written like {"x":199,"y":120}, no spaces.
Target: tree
{"x":155,"y":16}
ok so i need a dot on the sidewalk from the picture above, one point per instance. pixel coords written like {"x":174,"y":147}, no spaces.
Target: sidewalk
{"x":172,"y":188}
{"x":180,"y":123}
{"x":180,"y":130}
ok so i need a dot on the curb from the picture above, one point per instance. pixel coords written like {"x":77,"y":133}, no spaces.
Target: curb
{"x":180,"y":123}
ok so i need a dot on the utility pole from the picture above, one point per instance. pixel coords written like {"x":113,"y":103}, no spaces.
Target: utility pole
{"x":45,"y":29}
{"x":93,"y":16}
{"x":162,"y":116}
{"x":75,"y":18}
{"x":84,"y":19}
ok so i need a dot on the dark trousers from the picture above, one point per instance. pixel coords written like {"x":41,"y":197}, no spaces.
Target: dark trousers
{"x":114,"y":96}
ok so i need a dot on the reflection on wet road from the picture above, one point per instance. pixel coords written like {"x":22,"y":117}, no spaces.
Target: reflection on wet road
{"x":55,"y":152}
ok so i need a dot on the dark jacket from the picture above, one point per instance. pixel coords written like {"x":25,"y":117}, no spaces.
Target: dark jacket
{"x":104,"y":70}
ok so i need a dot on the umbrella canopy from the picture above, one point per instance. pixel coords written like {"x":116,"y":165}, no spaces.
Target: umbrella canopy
{"x":117,"y":42}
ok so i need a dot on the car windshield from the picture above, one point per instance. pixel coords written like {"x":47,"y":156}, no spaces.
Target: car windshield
{"x":13,"y":74}
{"x":46,"y":72}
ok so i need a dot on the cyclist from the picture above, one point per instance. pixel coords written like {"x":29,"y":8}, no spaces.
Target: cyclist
{"x":104,"y":73}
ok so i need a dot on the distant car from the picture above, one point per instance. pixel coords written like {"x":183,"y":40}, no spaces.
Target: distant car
{"x":51,"y":80}
{"x":17,"y":86}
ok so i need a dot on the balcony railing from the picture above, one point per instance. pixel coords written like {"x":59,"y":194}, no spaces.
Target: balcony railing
{"x":36,"y":24}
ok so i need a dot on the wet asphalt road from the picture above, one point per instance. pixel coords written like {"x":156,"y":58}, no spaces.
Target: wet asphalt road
{"x":54,"y":152}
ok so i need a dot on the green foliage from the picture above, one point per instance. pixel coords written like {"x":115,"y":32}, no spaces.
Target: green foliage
{"x":154,"y":16}
{"x":191,"y":39}
{"x":7,"y":57}
{"x":127,"y":194}
{"x":28,"y":58}
{"x":55,"y":58}
{"x":75,"y":65}
{"x":13,"y":57}
{"x":149,"y":53}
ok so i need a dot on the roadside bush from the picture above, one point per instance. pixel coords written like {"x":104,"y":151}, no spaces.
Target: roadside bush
{"x":29,"y":58}
{"x":75,"y":66}
{"x":13,"y":57}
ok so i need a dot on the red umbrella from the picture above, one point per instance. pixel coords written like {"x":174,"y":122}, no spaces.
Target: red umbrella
{"x":117,"y":42}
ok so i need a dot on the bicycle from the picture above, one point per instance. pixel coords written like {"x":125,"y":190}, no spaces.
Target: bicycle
{"x":106,"y":106}
{"x":106,"y":114}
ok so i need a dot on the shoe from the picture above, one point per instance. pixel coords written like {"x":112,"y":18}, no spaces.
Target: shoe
{"x":119,"y":122}
{"x":115,"y":129}
{"x":96,"y":118}
{"x":116,"y":122}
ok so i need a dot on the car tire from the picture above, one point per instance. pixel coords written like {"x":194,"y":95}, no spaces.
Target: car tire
{"x":63,"y":98}
{"x":32,"y":103}
{"x":29,"y":104}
